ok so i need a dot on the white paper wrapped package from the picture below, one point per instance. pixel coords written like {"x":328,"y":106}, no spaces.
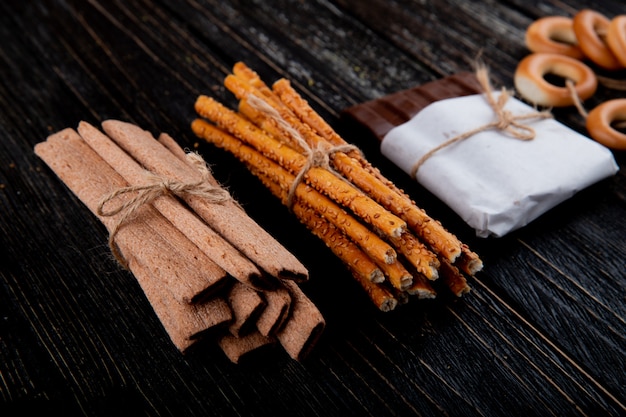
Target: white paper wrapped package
{"x":495,"y":182}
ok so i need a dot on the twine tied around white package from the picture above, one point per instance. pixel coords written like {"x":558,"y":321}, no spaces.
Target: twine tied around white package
{"x":505,"y":121}
{"x":155,"y":187}
{"x":497,"y":162}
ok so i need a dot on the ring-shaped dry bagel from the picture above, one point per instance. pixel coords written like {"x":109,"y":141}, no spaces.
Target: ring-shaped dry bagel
{"x":553,"y":34}
{"x":588,"y":25}
{"x":616,"y":38}
{"x":600,"y":120}
{"x":532,"y":85}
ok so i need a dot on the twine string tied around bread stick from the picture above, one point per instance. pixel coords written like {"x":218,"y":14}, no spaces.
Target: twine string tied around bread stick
{"x":505,"y":121}
{"x":316,"y":156}
{"x":155,"y":187}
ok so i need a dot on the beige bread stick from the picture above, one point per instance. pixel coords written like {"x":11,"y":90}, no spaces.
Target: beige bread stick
{"x":88,"y":177}
{"x":304,"y":325}
{"x":184,"y":323}
{"x":369,"y":242}
{"x":321,"y":179}
{"x":276,"y":311}
{"x":238,"y":348}
{"x":246,"y":305}
{"x":197,"y":231}
{"x":186,"y":270}
{"x":173,"y":146}
{"x":227,"y":219}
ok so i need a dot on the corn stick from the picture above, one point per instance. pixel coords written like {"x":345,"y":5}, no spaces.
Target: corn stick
{"x":296,"y":111}
{"x":190,"y":273}
{"x":237,"y":348}
{"x":416,"y":253}
{"x":173,"y":146}
{"x":382,"y":298}
{"x":336,"y":188}
{"x":369,"y":179}
{"x":227,"y":219}
{"x":349,"y":253}
{"x":381,"y":252}
{"x":454,"y":279}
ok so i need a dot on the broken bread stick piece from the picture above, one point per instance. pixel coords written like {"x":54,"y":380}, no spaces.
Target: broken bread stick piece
{"x":304,"y":326}
{"x":155,"y":262}
{"x":237,"y":348}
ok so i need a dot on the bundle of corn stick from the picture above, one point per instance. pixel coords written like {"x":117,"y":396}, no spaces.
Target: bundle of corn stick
{"x":390,"y":245}
{"x":209,"y":271}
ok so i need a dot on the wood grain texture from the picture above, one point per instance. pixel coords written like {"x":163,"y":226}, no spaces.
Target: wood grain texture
{"x":542,"y":333}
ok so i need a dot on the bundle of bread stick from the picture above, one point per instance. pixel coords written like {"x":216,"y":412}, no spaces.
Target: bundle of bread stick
{"x":390,"y":245}
{"x":209,"y":271}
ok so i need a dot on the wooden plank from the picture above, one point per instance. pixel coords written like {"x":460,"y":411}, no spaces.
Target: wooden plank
{"x":542,"y":332}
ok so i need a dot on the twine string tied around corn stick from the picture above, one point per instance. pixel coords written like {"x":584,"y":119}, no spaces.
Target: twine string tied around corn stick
{"x":154,"y":187}
{"x":504,"y":121}
{"x":316,"y":156}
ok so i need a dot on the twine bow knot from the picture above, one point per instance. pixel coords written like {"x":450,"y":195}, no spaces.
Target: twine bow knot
{"x":317,"y":156}
{"x":505,"y":120}
{"x":154,"y":187}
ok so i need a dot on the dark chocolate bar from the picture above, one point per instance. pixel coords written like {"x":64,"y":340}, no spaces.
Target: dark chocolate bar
{"x":380,"y":115}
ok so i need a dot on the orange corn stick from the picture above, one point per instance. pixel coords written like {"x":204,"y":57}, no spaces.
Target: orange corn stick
{"x":339,"y":190}
{"x":382,"y":298}
{"x":381,"y":252}
{"x":454,"y":279}
{"x":442,"y":241}
{"x":421,"y":288}
{"x":399,"y":277}
{"x":339,"y":244}
{"x":416,"y":253}
{"x":296,"y":111}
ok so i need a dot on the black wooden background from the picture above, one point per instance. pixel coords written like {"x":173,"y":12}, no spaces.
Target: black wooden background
{"x":542,"y":333}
